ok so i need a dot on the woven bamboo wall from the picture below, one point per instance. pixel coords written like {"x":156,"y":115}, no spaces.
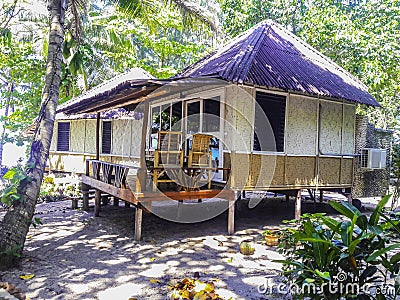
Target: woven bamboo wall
{"x":136,"y":137}
{"x":239,"y":118}
{"x":77,"y":136}
{"x":263,"y":172}
{"x":121,"y":137}
{"x":331,"y":127}
{"x":301,"y":126}
{"x":90,"y":141}
{"x":349,"y":128}
{"x":53,"y":146}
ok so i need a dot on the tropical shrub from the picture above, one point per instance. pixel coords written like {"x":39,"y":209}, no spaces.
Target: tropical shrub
{"x":51,"y":191}
{"x":352,"y":258}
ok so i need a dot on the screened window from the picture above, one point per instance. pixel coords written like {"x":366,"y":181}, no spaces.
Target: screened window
{"x":270,"y":109}
{"x":63,"y":136}
{"x":165,"y":117}
{"x":106,"y":137}
{"x":211,"y":115}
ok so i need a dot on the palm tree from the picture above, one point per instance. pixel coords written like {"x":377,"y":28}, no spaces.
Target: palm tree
{"x":16,"y":222}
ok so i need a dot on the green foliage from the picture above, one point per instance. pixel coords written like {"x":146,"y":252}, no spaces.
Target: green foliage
{"x":328,"y":253}
{"x":53,"y":190}
{"x":16,"y":178}
{"x":362,"y":37}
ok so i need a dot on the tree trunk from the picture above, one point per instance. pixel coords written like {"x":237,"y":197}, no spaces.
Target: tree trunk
{"x":16,"y":222}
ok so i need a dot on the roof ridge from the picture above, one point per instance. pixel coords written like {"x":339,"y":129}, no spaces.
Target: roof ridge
{"x":256,"y":42}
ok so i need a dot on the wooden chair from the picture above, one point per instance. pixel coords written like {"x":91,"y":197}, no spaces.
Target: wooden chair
{"x":168,"y":155}
{"x":200,"y":155}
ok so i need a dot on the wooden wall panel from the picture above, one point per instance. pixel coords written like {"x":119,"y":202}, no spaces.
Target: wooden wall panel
{"x":262,"y":171}
{"x":347,"y":171}
{"x":136,"y":139}
{"x":77,"y":136}
{"x":348,"y":129}
{"x":244,"y":119}
{"x":90,"y":142}
{"x":329,"y":170}
{"x":239,"y":118}
{"x":300,"y":170}
{"x":301,"y":125}
{"x":121,"y":137}
{"x":240,"y":169}
{"x":53,"y":146}
{"x":331,"y":127}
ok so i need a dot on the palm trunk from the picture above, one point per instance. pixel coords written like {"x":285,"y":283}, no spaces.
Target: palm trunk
{"x":16,"y":222}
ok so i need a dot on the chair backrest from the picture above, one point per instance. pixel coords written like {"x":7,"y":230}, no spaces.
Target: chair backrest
{"x":169,"y":150}
{"x":200,"y":154}
{"x":169,"y":140}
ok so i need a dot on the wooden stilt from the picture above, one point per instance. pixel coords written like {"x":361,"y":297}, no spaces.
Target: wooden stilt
{"x":85,"y":190}
{"x":98,"y":136}
{"x":350,"y":198}
{"x":116,"y":201}
{"x":97,"y":203}
{"x":85,"y":195}
{"x":243,"y":195}
{"x":231,"y":213}
{"x":74,"y":203}
{"x":287,"y":198}
{"x":321,"y":195}
{"x":104,"y":200}
{"x":297,"y":210}
{"x":138,"y":223}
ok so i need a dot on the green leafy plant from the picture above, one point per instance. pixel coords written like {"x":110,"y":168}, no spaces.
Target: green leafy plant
{"x":15,"y":177}
{"x":338,"y":259}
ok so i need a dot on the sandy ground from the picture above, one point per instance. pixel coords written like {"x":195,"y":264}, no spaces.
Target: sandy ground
{"x":74,"y":255}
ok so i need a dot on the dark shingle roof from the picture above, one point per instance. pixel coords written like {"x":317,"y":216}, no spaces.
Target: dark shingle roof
{"x":268,"y":55}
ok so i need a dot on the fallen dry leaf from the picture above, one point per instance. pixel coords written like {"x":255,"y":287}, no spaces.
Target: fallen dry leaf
{"x":152,"y":280}
{"x":27,"y":276}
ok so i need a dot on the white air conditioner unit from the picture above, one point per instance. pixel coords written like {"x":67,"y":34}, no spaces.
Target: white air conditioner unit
{"x":373,"y":158}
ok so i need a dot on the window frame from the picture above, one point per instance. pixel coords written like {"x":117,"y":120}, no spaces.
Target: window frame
{"x":59,"y":135}
{"x":102,"y":137}
{"x":277,"y":93}
{"x":153,"y":136}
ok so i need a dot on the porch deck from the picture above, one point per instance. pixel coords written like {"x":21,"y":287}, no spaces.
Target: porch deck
{"x":132,"y":187}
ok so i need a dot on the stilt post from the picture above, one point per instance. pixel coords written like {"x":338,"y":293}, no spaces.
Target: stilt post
{"x":98,"y":136}
{"x":138,"y":223}
{"x":97,"y":200}
{"x":231,"y":213}
{"x":297,"y":209}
